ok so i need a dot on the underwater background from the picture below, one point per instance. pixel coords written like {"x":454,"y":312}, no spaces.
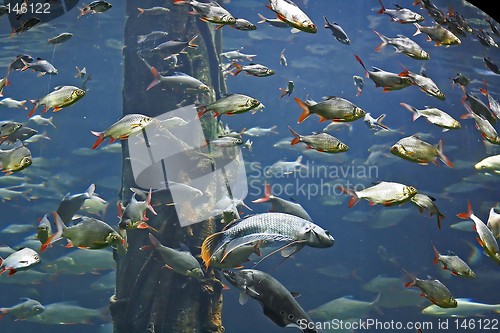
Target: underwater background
{"x":369,"y":240}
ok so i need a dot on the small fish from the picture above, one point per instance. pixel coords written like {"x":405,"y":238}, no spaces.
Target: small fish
{"x":71,"y":204}
{"x":209,"y":12}
{"x":274,"y":22}
{"x":281,"y":167}
{"x":12,"y":103}
{"x":288,"y":90}
{"x":152,"y":36}
{"x":123,"y":128}
{"x":493,"y":104}
{"x":25,"y":26}
{"x":230,"y":105}
{"x":460,"y":79}
{"x":4,"y":82}
{"x":95,"y":7}
{"x":490,"y":163}
{"x":389,"y":81}
{"x":226,"y":142}
{"x":434,"y":116}
{"x":359,"y":83}
{"x":277,"y":302}
{"x":425,"y":202}
{"x":281,"y":205}
{"x":337,"y":31}
{"x":488,"y":132}
{"x":424,"y":83}
{"x":400,"y":14}
{"x":22,"y":134}
{"x":375,"y":123}
{"x":289,"y":12}
{"x":345,"y":308}
{"x":133,"y":216}
{"x":383,"y":193}
{"x":39,"y":120}
{"x":20,"y":260}
{"x":453,"y":263}
{"x":485,"y":237}
{"x":61,"y":97}
{"x":15,"y":159}
{"x":44,"y":229}
{"x":434,"y":291}
{"x":493,"y":26}
{"x":174,"y":47}
{"x":485,"y":38}
{"x":253,"y":69}
{"x":438,"y":34}
{"x":491,"y":65}
{"x":404,"y":45}
{"x":473,"y":104}
{"x":27,"y":308}
{"x":179,"y":79}
{"x":413,"y":149}
{"x":157,"y":10}
{"x":61,"y":38}
{"x":243,"y":25}
{"x":321,"y":142}
{"x":466,"y":308}
{"x":180,"y":261}
{"x":331,"y":108}
{"x":283,"y":60}
{"x":237,"y":55}
{"x":86,"y":233}
{"x":259,"y":131}
{"x":432,"y":10}
{"x":80,"y":73}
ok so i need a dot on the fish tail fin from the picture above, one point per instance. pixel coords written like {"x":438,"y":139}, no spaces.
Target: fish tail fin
{"x":238,"y":67}
{"x":148,"y":201}
{"x":413,"y":279}
{"x":267,"y":194}
{"x":100,"y":139}
{"x":57,"y":235}
{"x":380,"y":119}
{"x":154,"y":241}
{"x":440,"y":216}
{"x":141,"y":11}
{"x":296,"y":138}
{"x":201,"y":111}
{"x":26,"y":65}
{"x":361,"y":62}
{"x":442,"y":156}
{"x":51,"y":121}
{"x":262,"y":18}
{"x":89,"y":192}
{"x":283,"y":92}
{"x":436,"y":254}
{"x":208,"y":247}
{"x":156,"y":78}
{"x":418,"y":29}
{"x":384,"y":41}
{"x":327,"y":23}
{"x":468,"y":214}
{"x":180,"y":2}
{"x":354,"y":197}
{"x":299,"y":159}
{"x":35,"y":103}
{"x":190,"y":42}
{"x":485,"y":90}
{"x":375,"y":304}
{"x":410,"y":108}
{"x":305,"y":110}
{"x":382,"y":9}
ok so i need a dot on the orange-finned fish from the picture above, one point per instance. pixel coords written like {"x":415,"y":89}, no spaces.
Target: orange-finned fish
{"x":230,"y":105}
{"x":400,"y":14}
{"x":123,"y":128}
{"x":438,"y":34}
{"x":331,"y":108}
{"x":384,"y":193}
{"x":425,"y":202}
{"x":434,"y":116}
{"x":20,"y":260}
{"x":453,"y":263}
{"x":253,"y":69}
{"x":413,"y":149}
{"x":424,"y":83}
{"x":287,"y":11}
{"x":133,"y":216}
{"x":209,"y":12}
{"x":389,"y":81}
{"x":94,"y":7}
{"x":434,"y":291}
{"x":61,"y":97}
{"x":322,"y":142}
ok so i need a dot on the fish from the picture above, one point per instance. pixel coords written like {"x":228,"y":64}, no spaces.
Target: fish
{"x":134,"y":214}
{"x":95,"y":7}
{"x":71,"y":204}
{"x":466,"y":308}
{"x":230,"y":105}
{"x":331,"y":108}
{"x":180,"y":261}
{"x":432,"y":10}
{"x":61,"y":38}
{"x":285,"y":168}
{"x":322,"y":142}
{"x":490,"y":163}
{"x":345,"y":308}
{"x":253,"y":69}
{"x":485,"y":128}
{"x":389,"y":81}
{"x":67,"y":313}
{"x":281,"y":205}
{"x":156,"y":10}
{"x":289,"y":12}
{"x":438,"y":34}
{"x":86,"y":233}
{"x":277,"y":301}
{"x":288,"y":90}
{"x":453,"y":263}
{"x":152,"y":36}
{"x":4,"y":82}
{"x":20,"y":260}
{"x":123,"y":128}
{"x":237,"y":55}
{"x":61,"y":97}
{"x":383,"y":193}
{"x":413,"y":149}
{"x":39,"y":120}
{"x":491,"y":65}
{"x":44,"y":229}
{"x":424,"y":83}
{"x":337,"y":32}
{"x":473,"y":104}
{"x":425,"y":202}
{"x":174,"y":47}
{"x":236,"y":258}
{"x":209,"y":12}
{"x":400,"y":14}
{"x":493,"y":104}
{"x":434,"y":116}
{"x":259,"y":131}
{"x":283,"y":60}
{"x":225,"y":142}
{"x":494,"y":223}
{"x":7,"y":128}
{"x":382,"y":283}
{"x":25,"y":26}
{"x":12,"y":103}
{"x":375,"y":123}
{"x":243,"y":25}
{"x":485,"y":237}
{"x":434,"y":290}
{"x":27,"y":308}
{"x":15,"y":159}
{"x":179,"y":79}
{"x":493,"y":26}
{"x":40,"y":65}
{"x":359,"y":83}
{"x":106,"y":282}
{"x":293,"y":230}
{"x":22,"y":134}
{"x":485,"y":39}
{"x":273,"y":22}
{"x":404,"y":45}
{"x":78,"y":262}
{"x":460,"y":79}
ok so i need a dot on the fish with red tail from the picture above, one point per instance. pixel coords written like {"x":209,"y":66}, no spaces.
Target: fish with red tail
{"x":424,"y":83}
{"x":331,"y":108}
{"x":413,"y":149}
{"x":61,"y":97}
{"x":434,"y":291}
{"x":133,"y":216}
{"x":400,"y":14}
{"x":389,"y":81}
{"x":123,"y":128}
{"x":438,"y":34}
{"x":425,"y":202}
{"x":383,"y":193}
{"x":322,"y":142}
{"x":453,"y":263}
{"x":288,"y":12}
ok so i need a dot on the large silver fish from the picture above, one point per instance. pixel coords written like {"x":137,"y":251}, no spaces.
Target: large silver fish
{"x":15,"y":159}
{"x":19,"y":261}
{"x":384,"y":193}
{"x":61,"y":97}
{"x":453,"y":263}
{"x":434,"y":116}
{"x":123,"y":128}
{"x":413,"y":149}
{"x":289,"y":12}
{"x":403,"y":45}
{"x":27,"y":308}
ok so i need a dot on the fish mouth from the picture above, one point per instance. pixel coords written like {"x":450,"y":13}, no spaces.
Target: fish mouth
{"x":229,"y":275}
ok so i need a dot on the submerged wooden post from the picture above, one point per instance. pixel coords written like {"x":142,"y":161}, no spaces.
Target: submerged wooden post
{"x":150,"y":298}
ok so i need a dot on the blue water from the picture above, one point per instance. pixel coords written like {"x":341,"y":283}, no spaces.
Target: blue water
{"x":319,"y":66}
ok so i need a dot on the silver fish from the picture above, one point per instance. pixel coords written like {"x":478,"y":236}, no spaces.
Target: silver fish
{"x":434,"y":291}
{"x":19,"y":261}
{"x":61,"y":38}
{"x":384,"y":193}
{"x":400,"y":14}
{"x":337,"y":31}
{"x":27,"y":308}
{"x":453,"y":263}
{"x":403,"y":45}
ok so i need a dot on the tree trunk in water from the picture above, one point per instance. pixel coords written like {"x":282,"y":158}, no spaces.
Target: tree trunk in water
{"x":150,"y":298}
